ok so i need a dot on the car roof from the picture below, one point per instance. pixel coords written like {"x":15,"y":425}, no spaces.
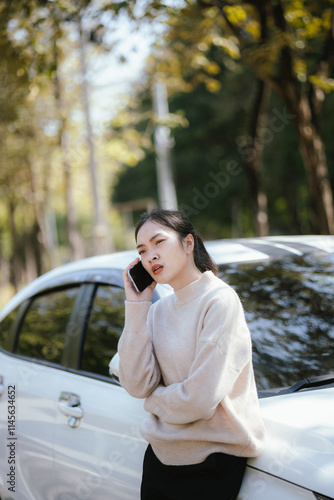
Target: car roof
{"x":225,"y":251}
{"x":258,"y":249}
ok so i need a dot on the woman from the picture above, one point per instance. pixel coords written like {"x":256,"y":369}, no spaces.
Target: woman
{"x":189,"y":355}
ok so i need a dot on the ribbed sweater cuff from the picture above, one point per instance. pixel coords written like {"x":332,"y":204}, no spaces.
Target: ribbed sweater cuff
{"x":136,"y":313}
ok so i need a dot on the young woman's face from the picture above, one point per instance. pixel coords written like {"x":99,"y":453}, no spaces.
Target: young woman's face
{"x":163,"y":255}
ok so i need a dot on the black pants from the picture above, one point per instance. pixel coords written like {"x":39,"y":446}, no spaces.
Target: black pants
{"x":218,"y":477}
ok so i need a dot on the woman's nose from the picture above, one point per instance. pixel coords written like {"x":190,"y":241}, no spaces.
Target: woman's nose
{"x":153,"y":256}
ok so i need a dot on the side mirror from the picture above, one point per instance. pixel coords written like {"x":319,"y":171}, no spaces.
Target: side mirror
{"x":113,"y":366}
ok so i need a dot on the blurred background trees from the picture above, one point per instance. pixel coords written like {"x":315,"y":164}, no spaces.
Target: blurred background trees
{"x":249,"y":87}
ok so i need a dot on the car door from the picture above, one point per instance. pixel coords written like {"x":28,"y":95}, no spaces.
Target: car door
{"x":29,"y":370}
{"x":98,"y":449}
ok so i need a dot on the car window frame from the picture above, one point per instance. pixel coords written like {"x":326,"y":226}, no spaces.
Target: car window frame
{"x":72,"y":346}
{"x":285,"y":262}
{"x":87,"y":282}
{"x":9,"y":345}
{"x":18,"y":322}
{"x":110,"y":277}
{"x":89,"y":311}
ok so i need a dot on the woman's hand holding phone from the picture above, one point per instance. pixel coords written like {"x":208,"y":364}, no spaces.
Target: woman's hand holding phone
{"x":132,"y":295}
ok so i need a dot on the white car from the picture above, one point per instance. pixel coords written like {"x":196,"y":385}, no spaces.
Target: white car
{"x":69,"y":431}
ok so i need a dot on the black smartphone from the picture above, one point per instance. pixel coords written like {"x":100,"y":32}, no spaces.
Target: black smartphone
{"x":140,"y":278}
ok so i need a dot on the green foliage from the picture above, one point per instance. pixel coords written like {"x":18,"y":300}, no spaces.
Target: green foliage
{"x":202,"y":60}
{"x":210,"y":54}
{"x":208,"y":163}
{"x":43,"y":148}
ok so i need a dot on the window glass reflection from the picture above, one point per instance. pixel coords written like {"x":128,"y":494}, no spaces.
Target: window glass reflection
{"x":289,"y":308}
{"x":42,"y":334}
{"x":6,"y":326}
{"x":104,"y":328}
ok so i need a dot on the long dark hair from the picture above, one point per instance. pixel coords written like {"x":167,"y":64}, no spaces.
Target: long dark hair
{"x":180,"y":223}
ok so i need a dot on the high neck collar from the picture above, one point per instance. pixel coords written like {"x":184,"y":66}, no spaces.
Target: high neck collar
{"x":194,"y":289}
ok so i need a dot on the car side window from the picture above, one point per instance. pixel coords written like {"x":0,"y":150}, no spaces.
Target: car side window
{"x":289,"y":308}
{"x":103,"y":330}
{"x":43,"y":330}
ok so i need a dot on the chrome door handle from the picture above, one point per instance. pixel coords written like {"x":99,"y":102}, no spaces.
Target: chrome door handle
{"x":69,"y":404}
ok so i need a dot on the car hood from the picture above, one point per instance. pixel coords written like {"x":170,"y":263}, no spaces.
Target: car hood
{"x":300,"y":439}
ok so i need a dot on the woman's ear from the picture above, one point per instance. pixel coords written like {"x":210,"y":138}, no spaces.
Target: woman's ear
{"x":188,"y":243}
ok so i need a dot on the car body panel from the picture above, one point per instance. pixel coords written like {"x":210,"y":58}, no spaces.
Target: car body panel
{"x":110,"y":427}
{"x":299,"y":445}
{"x":34,"y":427}
{"x":101,"y":455}
{"x":306,"y":454}
{"x":259,"y":486}
{"x":222,"y":251}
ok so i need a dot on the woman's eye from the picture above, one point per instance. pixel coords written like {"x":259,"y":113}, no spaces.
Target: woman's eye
{"x":141,"y":252}
{"x":159,"y":241}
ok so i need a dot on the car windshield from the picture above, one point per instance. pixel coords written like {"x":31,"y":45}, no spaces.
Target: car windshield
{"x":289,"y":308}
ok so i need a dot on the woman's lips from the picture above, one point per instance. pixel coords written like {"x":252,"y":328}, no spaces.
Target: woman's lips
{"x":156,"y":269}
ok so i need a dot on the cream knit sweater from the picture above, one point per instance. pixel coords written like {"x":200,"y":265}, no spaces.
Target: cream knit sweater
{"x":189,"y":354}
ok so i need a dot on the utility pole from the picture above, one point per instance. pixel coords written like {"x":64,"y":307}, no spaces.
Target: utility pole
{"x":163,"y":145}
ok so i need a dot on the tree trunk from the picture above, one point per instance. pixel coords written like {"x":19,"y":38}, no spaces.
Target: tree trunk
{"x":74,"y":238}
{"x":300,"y":107}
{"x":254,"y":160}
{"x":312,"y":151}
{"x":101,"y":233}
{"x":38,"y":247}
{"x":4,"y":273}
{"x":31,"y":272}
{"x":15,"y":267}
{"x":73,"y":235}
{"x":40,"y":229}
{"x":305,"y":111}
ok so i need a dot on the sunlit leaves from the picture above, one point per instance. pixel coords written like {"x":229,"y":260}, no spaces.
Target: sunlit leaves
{"x":185,"y":61}
{"x":42,"y":123}
{"x":236,"y":14}
{"x":229,"y":45}
{"x":235,"y":27}
{"x":327,"y":84}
